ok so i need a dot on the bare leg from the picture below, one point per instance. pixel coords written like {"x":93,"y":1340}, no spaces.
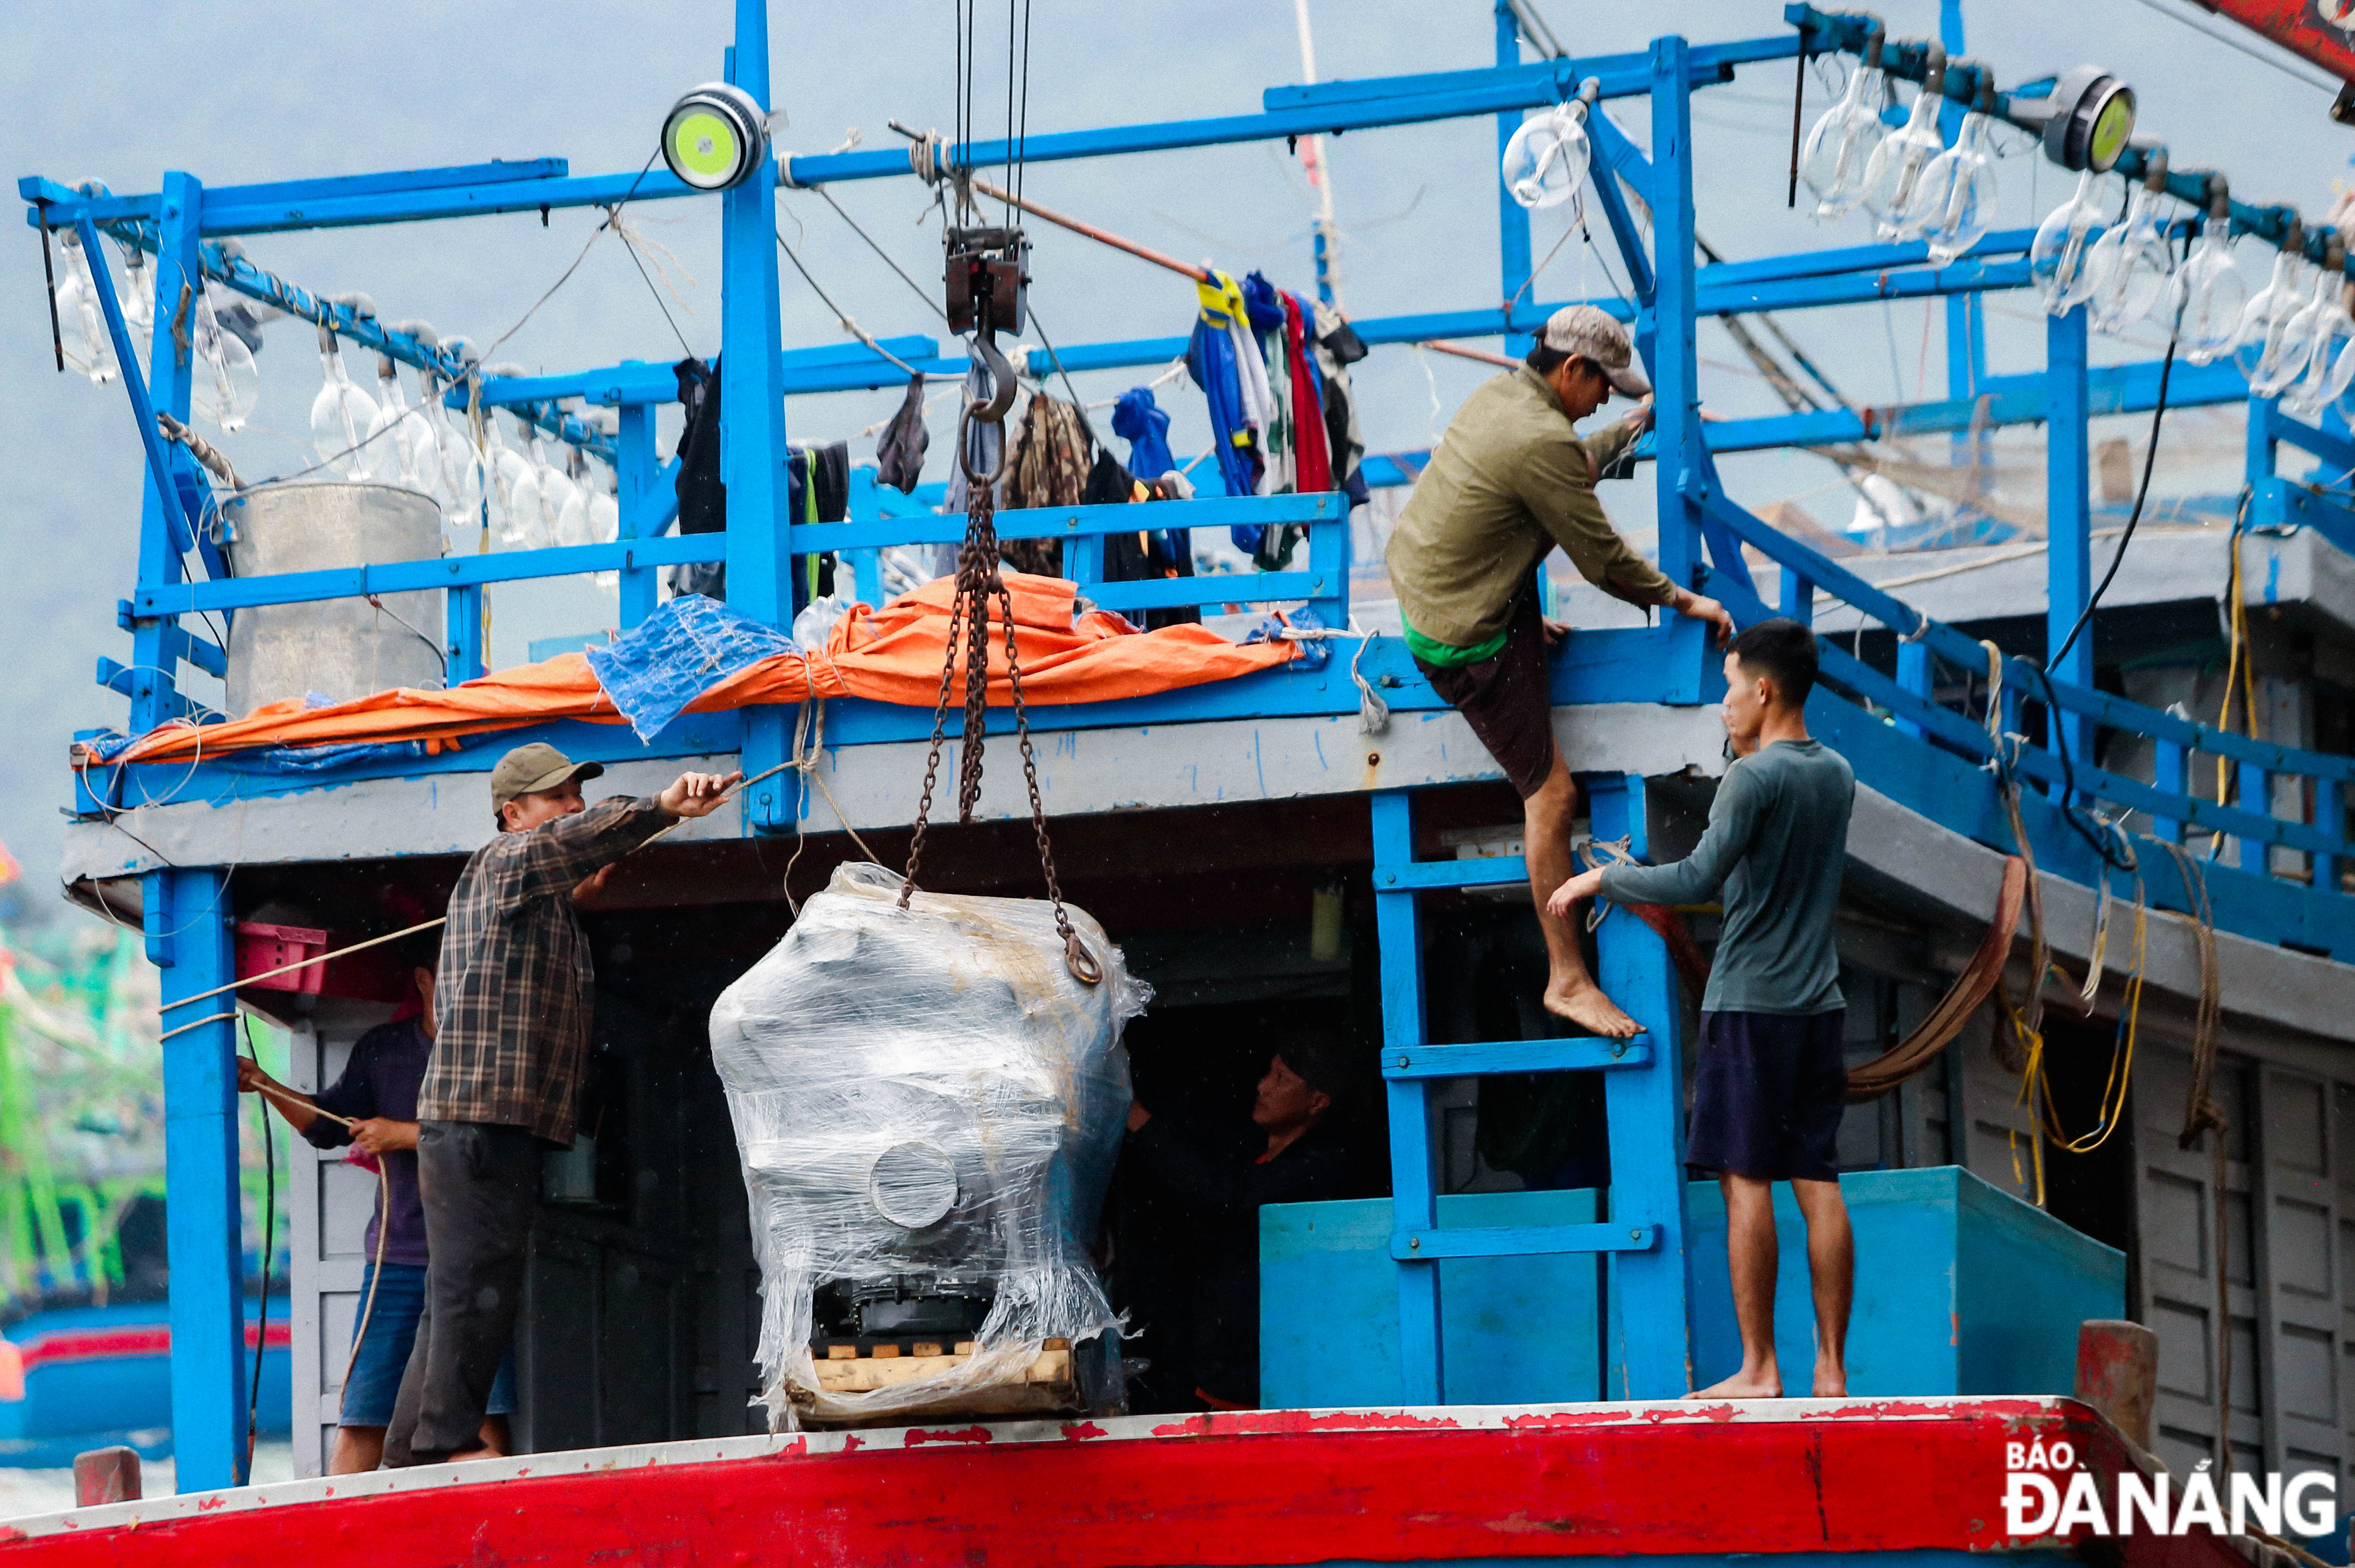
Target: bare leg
{"x":1750,"y":1254}
{"x":1571,"y":992}
{"x":357,"y":1450}
{"x":1831,"y":1266}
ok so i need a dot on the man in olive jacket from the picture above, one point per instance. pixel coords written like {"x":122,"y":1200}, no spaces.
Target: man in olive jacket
{"x":1512,"y":480}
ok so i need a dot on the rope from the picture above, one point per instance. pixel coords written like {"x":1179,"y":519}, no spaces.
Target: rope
{"x":2240,"y":668}
{"x":383,"y":1222}
{"x":208,"y":1019}
{"x":1962,"y":1001}
{"x":735,"y":789}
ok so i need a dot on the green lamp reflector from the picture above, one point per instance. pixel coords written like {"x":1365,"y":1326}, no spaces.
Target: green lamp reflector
{"x":715,"y":137}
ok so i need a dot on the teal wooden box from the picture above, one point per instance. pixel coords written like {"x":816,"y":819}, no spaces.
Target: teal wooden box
{"x":1960,"y":1289}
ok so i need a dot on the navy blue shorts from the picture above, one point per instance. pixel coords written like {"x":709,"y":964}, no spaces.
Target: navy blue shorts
{"x":1768,"y":1091}
{"x":375,"y":1383}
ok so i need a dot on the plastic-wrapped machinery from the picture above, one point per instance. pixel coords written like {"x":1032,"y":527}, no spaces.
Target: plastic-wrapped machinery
{"x":928,"y":1105}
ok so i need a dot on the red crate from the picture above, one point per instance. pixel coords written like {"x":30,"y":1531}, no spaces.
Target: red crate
{"x":376,"y":975}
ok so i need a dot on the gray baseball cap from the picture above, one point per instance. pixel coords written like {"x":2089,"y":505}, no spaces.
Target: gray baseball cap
{"x":1584,"y":330}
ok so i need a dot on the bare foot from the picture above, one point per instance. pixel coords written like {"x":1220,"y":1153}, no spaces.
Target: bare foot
{"x":1586,"y":1006}
{"x":1831,"y":1382}
{"x":463,"y":1454}
{"x":1743,"y":1385}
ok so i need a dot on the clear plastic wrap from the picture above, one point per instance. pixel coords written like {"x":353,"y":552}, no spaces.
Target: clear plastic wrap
{"x":927,"y":1107}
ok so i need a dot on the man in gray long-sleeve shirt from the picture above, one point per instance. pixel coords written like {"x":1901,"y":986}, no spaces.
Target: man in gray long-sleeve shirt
{"x":1770,"y":1083}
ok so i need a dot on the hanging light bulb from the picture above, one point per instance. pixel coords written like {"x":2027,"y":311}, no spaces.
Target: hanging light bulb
{"x":137,"y":298}
{"x":341,"y":416}
{"x":1954,"y":201}
{"x":564,"y":507}
{"x":466,"y":472}
{"x":1844,"y":140}
{"x":2057,"y":256}
{"x":2132,"y":264}
{"x":399,"y":433}
{"x":231,"y":383}
{"x":76,"y":299}
{"x":1895,"y":170}
{"x":572,"y":526}
{"x":2257,"y":345}
{"x":604,"y":516}
{"x":2329,"y":369}
{"x":2209,"y":292}
{"x":1545,"y":163}
{"x":2295,"y":354}
{"x":526,"y":526}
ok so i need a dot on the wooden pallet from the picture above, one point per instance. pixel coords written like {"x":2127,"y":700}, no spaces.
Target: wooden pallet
{"x":1048,"y":1384}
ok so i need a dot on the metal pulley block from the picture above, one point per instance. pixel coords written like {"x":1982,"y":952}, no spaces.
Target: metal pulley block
{"x":989,"y":271}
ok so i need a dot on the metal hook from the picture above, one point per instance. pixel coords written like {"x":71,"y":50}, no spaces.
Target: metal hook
{"x":993,"y":412}
{"x":1082,"y":962}
{"x":1002,"y":372}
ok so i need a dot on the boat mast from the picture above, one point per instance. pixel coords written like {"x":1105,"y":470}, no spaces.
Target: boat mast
{"x":1312,"y":158}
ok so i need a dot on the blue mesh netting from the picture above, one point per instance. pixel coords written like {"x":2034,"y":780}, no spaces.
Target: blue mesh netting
{"x":685,"y":648}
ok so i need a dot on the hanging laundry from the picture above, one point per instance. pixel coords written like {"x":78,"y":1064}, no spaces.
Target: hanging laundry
{"x":1139,"y":420}
{"x":1213,"y":361}
{"x":702,"y":496}
{"x":1049,"y":469}
{"x":900,"y":450}
{"x":1144,"y":554}
{"x":1264,"y":308}
{"x":817,"y":490}
{"x":1311,"y":460}
{"x":1337,"y":348}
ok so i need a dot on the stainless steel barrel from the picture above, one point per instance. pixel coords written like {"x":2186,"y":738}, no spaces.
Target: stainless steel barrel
{"x":339,"y":648}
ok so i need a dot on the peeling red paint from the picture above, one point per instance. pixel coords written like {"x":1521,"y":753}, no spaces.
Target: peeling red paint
{"x":852,"y":1443}
{"x":1192,"y":1426}
{"x":916,"y":1436}
{"x":1083,"y":1430}
{"x":1564,"y":1420}
{"x":1258,"y":1422}
{"x":206,"y":1505}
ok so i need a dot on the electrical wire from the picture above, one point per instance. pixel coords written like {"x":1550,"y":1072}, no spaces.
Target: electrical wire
{"x":2142,"y":493}
{"x":923,"y":294}
{"x":842,"y":318}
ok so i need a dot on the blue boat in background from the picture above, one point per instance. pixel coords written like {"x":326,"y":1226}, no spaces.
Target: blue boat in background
{"x":78,"y":1378}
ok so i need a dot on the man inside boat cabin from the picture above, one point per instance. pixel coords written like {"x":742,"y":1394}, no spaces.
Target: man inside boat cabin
{"x":1770,"y":1083}
{"x":512,"y":1007}
{"x":1511,"y":481}
{"x":1288,"y":1156}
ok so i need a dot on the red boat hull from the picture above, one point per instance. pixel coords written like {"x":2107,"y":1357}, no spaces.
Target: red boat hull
{"x":1257,"y":1488}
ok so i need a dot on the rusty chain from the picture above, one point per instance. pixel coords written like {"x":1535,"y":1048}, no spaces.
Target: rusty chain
{"x":978,"y":580}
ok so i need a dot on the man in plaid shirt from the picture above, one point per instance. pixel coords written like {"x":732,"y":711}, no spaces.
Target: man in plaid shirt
{"x":512,"y":1009}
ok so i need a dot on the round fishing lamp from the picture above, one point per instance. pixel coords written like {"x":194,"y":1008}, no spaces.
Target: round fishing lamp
{"x":2092,"y":113}
{"x":715,"y":137}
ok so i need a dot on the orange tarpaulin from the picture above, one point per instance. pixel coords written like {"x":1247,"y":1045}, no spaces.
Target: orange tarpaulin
{"x":893,"y":655}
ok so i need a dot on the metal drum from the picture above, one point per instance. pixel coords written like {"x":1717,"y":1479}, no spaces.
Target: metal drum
{"x":339,"y":648}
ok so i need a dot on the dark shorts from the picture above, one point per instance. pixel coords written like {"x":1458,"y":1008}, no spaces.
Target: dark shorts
{"x":1508,"y":698}
{"x":375,"y":1381}
{"x":1768,"y":1091}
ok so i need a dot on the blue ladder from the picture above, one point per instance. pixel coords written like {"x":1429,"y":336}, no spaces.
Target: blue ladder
{"x":1645,"y":1236}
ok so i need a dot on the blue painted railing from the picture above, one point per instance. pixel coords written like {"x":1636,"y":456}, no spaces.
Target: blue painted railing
{"x":2316,"y":839}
